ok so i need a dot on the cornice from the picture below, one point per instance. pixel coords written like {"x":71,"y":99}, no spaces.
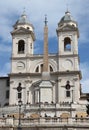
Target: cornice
{"x":62,"y":73}
{"x":24,"y":74}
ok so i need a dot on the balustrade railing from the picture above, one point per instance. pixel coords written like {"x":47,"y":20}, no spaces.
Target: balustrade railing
{"x":44,"y":121}
{"x":14,"y":108}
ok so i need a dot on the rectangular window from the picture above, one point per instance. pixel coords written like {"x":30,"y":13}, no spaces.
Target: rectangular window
{"x":67,"y":93}
{"x":7,"y":82}
{"x":7,"y":94}
{"x":19,"y":95}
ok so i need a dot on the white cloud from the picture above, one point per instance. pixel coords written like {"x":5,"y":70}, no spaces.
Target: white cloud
{"x":85,"y":76}
{"x":36,"y":10}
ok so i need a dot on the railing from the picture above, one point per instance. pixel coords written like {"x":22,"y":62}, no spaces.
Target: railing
{"x":8,"y":109}
{"x":65,"y":104}
{"x":55,"y":120}
{"x":14,"y":108}
{"x":41,"y":105}
{"x":44,"y":121}
{"x":48,"y":105}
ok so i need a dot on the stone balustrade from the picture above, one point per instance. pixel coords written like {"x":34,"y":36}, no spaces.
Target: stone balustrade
{"x":14,"y":108}
{"x":44,"y":121}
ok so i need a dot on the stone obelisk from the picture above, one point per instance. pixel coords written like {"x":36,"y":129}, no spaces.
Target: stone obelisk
{"x":45,"y":74}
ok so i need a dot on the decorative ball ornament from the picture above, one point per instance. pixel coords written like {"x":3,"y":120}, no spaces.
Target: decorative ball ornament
{"x":67,"y":85}
{"x":19,"y":88}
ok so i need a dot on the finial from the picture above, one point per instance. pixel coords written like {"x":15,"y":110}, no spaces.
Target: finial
{"x":67,"y":7}
{"x":24,"y":11}
{"x":67,"y":11}
{"x":45,"y":20}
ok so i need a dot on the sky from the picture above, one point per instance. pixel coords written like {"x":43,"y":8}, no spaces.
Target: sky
{"x":11,"y":10}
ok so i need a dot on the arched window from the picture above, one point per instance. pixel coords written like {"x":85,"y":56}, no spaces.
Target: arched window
{"x":50,"y":68}
{"x":39,"y":68}
{"x":21,"y":47}
{"x":67,"y":44}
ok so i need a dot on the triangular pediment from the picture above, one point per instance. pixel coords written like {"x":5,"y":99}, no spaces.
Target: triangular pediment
{"x":20,"y":31}
{"x":41,"y":83}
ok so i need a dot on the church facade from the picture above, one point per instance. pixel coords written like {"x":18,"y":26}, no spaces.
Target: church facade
{"x":47,"y":85}
{"x":27,"y":68}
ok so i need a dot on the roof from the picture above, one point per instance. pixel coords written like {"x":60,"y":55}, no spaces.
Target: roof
{"x":23,"y":19}
{"x":84,"y":96}
{"x":67,"y":18}
{"x":4,"y":77}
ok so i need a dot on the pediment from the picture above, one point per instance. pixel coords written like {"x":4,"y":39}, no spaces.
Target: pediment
{"x":67,"y":28}
{"x":42,"y":83}
{"x":20,"y":31}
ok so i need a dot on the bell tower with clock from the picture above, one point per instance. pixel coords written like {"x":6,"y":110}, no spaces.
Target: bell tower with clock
{"x":23,"y":43}
{"x":23,"y":38}
{"x":69,"y":72}
{"x":68,"y":35}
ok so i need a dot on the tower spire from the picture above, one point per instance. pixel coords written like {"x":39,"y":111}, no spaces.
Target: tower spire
{"x":24,"y":11}
{"x":67,"y":7}
{"x":45,"y":57}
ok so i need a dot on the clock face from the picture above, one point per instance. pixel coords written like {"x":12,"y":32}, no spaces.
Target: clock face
{"x":67,"y":64}
{"x":20,"y":65}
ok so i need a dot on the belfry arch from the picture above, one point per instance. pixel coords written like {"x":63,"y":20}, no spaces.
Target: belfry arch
{"x":21,"y":46}
{"x":67,"y":44}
